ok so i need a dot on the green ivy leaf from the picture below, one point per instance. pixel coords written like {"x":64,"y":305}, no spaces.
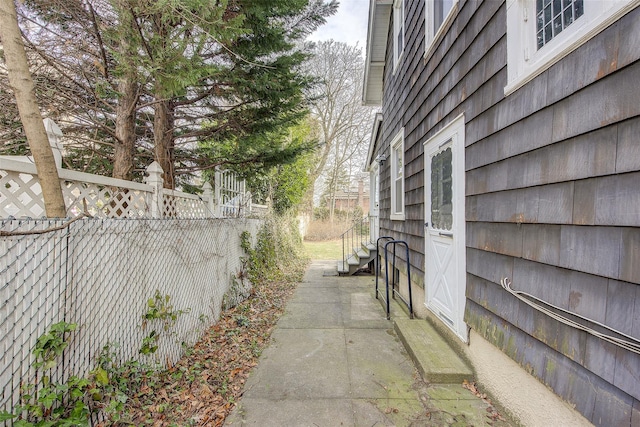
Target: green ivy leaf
{"x":50,"y":364}
{"x":4,"y":416}
{"x":48,"y":400}
{"x":102,"y":377}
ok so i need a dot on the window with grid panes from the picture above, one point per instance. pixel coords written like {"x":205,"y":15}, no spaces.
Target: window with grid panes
{"x":542,"y":32}
{"x":553,"y":16}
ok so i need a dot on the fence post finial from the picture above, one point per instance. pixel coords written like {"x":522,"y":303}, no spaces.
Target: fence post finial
{"x":207,"y":194}
{"x":217,"y":185}
{"x":248,"y":202}
{"x":54,"y":134}
{"x":154,"y":179}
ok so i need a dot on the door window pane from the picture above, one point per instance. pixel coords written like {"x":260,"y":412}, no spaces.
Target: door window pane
{"x":442,"y":191}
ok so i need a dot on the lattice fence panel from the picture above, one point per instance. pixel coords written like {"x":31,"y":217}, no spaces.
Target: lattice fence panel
{"x":21,"y":195}
{"x":184,"y":206}
{"x":105,"y":201}
{"x":100,"y":274}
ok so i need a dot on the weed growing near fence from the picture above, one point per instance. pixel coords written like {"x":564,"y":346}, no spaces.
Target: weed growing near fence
{"x":114,"y":383}
{"x":107,"y":388}
{"x":278,"y":248}
{"x":159,"y":309}
{"x":45,"y":402}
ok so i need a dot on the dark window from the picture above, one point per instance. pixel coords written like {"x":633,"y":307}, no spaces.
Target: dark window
{"x":442,"y":191}
{"x":441,"y":9}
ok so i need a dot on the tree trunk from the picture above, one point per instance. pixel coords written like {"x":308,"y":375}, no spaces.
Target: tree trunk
{"x":125,"y":128}
{"x":24,"y":90}
{"x":163,"y":139}
{"x":127,"y":102}
{"x":332,"y":195}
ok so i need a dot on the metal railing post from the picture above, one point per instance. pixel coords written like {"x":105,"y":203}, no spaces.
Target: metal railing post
{"x":409,"y":303}
{"x":378,"y":256}
{"x":386,"y":276}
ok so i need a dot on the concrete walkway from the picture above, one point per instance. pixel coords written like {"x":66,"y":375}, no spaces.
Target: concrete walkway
{"x":335,"y":360}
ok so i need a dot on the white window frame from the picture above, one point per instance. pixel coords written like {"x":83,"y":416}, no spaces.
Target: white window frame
{"x":431,"y":33}
{"x":525,"y":61}
{"x":398,"y":28}
{"x":397,"y":144}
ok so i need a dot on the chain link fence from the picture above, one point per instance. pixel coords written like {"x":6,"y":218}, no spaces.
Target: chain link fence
{"x":100,"y":274}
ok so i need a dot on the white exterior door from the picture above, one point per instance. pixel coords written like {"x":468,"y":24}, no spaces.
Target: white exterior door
{"x":374,"y":208}
{"x":445,"y":270}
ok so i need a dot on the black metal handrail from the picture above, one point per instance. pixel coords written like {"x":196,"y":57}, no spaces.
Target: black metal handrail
{"x":378,"y":256}
{"x":354,"y":237}
{"x":394,"y":292}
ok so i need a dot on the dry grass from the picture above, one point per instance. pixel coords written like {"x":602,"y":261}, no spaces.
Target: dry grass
{"x":319,"y":231}
{"x":328,"y":249}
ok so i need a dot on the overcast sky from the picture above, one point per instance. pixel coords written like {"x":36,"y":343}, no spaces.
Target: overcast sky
{"x":348,"y":25}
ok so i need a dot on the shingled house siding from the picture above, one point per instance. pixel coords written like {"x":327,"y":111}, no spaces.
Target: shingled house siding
{"x":553,"y":203}
{"x":552,"y":193}
{"x":464,"y":74}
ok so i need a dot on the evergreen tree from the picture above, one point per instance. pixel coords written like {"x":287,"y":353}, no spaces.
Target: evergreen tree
{"x":285,"y":185}
{"x":193,"y":84}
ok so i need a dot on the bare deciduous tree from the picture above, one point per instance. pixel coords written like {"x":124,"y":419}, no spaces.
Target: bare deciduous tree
{"x":343,"y":122}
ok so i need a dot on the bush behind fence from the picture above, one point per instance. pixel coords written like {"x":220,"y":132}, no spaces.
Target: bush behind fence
{"x":100,"y":274}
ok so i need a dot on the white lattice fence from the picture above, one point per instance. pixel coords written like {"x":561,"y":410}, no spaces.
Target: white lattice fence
{"x":182,"y":205}
{"x":21,"y":195}
{"x":103,"y":197}
{"x":106,"y":201}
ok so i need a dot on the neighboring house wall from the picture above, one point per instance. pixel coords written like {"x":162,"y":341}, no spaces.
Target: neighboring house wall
{"x":552,"y":195}
{"x":350,"y":201}
{"x":347,"y":200}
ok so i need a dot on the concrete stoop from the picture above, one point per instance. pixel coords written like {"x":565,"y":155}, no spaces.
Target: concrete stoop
{"x":435,"y":359}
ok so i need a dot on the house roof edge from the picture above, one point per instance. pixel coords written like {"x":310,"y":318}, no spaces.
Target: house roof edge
{"x":377,"y":30}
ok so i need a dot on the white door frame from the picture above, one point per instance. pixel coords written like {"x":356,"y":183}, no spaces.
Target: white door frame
{"x":451,"y":135}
